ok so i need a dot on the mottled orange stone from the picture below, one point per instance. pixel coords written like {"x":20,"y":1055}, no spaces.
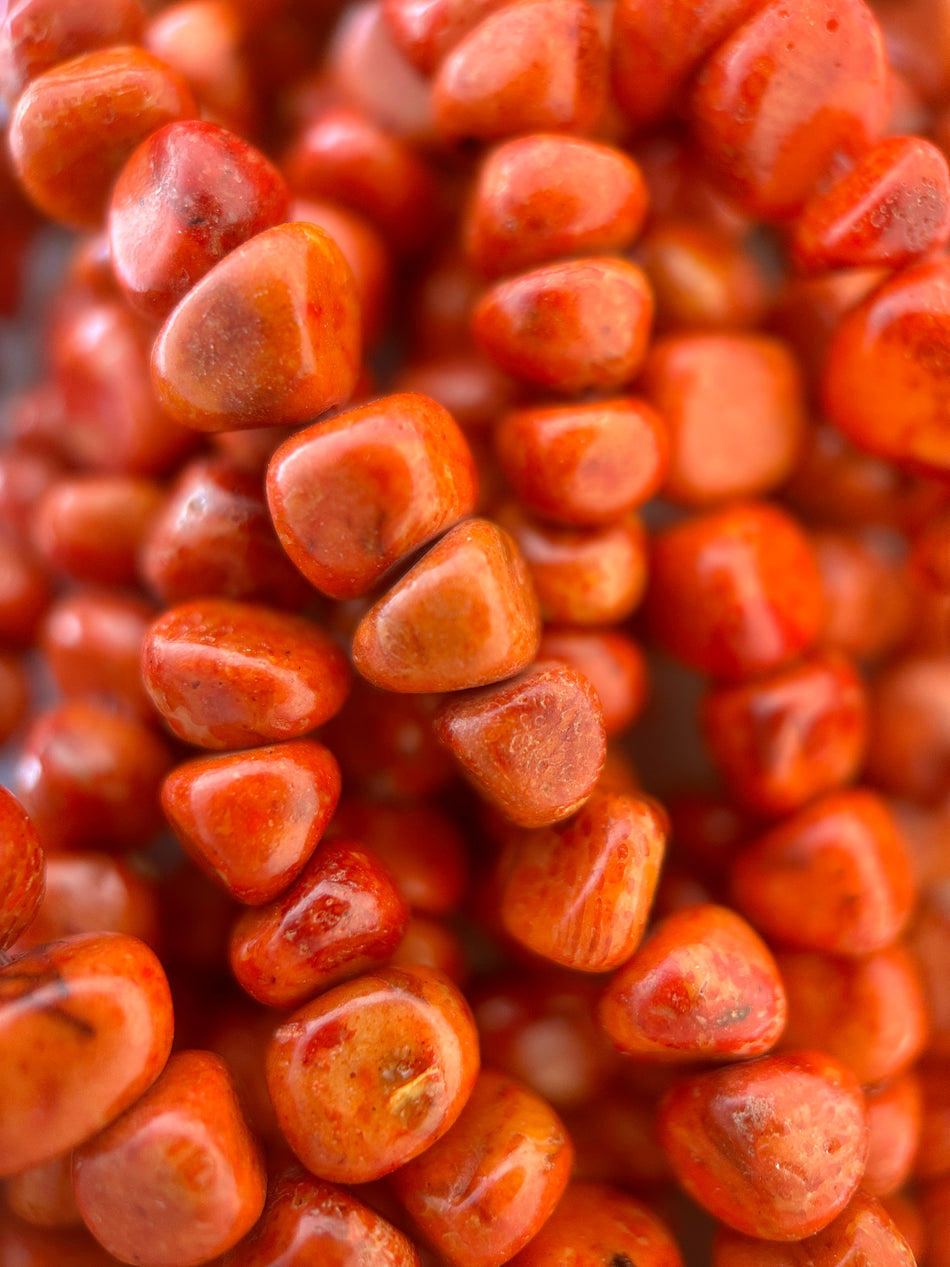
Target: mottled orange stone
{"x":251,"y":820}
{"x":214,"y":536}
{"x":179,"y":1177}
{"x":533,"y":746}
{"x":465,"y":615}
{"x":426,"y":32}
{"x":702,"y":986}
{"x":774,"y":1148}
{"x":583,"y":464}
{"x":489,"y":1185}
{"x":77,"y":123}
{"x":43,"y":1195}
{"x":735,"y":592}
{"x":344,"y":915}
{"x":835,"y":876}
{"x":271,"y":335}
{"x":234,"y":675}
{"x":354,"y":495}
{"x":862,"y":1233}
{"x":540,"y":198}
{"x":734,"y":408}
{"x":892,"y":208}
{"x":90,"y":777}
{"x":371,"y":1073}
{"x":783,"y":739}
{"x":896,"y":1129}
{"x":598,"y":1226}
{"x":189,"y":194}
{"x":531,"y":66}
{"x":870,"y":1012}
{"x":22,"y":870}
{"x":884,"y":382}
{"x":571,"y":327}
{"x":306,"y":1221}
{"x":909,"y":749}
{"x":582,"y":576}
{"x":795,"y":90}
{"x":91,"y":527}
{"x":85,"y":1028}
{"x":611,"y":661}
{"x":580,"y":892}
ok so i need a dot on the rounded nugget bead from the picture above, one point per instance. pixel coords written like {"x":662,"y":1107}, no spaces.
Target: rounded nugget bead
{"x":22,"y":870}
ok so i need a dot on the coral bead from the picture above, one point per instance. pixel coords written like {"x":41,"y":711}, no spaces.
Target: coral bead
{"x":22,"y":870}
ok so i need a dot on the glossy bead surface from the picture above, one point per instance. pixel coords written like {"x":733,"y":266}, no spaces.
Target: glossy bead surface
{"x":767,"y":137}
{"x":75,"y":125}
{"x":783,"y":739}
{"x":85,"y":1028}
{"x":22,"y":870}
{"x":774,"y":1148}
{"x":735,"y":592}
{"x":702,"y":986}
{"x":734,"y":409}
{"x":579,"y":893}
{"x":189,"y":194}
{"x":344,"y":915}
{"x":597,"y":1226}
{"x":583,"y":464}
{"x":179,"y":1177}
{"x":895,"y":1115}
{"x":540,"y":198}
{"x":91,"y":527}
{"x":533,"y":66}
{"x":611,"y":661}
{"x":931,"y":1157}
{"x":835,"y":876}
{"x":306,"y":1220}
{"x":909,"y":752}
{"x":234,"y":675}
{"x":352,"y":496}
{"x":371,"y":1073}
{"x":271,"y":335}
{"x":482,"y":1191}
{"x":533,"y":746}
{"x":251,"y":820}
{"x":465,"y":615}
{"x":426,"y":32}
{"x":569,"y":327}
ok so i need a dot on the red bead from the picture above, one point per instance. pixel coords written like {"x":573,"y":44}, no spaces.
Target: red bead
{"x":909,"y":752}
{"x":611,"y":661}
{"x":22,"y":870}
{"x":895,"y":1122}
{"x":232,"y":675}
{"x":43,"y":1195}
{"x":426,"y":32}
{"x":365,"y":250}
{"x":354,"y":495}
{"x":189,"y":195}
{"x":24,"y":593}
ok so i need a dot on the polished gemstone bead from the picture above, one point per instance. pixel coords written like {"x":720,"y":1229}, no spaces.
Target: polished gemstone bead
{"x":22,"y":870}
{"x":426,"y":32}
{"x":896,"y":1111}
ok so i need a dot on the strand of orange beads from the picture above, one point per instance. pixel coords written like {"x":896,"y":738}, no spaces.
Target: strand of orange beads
{"x":474,"y":652}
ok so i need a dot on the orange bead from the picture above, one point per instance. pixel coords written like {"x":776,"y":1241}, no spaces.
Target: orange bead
{"x":792,"y":92}
{"x":883,"y":382}
{"x":735,"y":592}
{"x":425,"y":33}
{"x":22,"y":870}
{"x":595,"y":1225}
{"x":24,"y":477}
{"x":834,"y":876}
{"x":867,"y":598}
{"x":179,"y":1177}
{"x":931,"y":1157}
{"x":354,"y":495}
{"x":373,"y":1072}
{"x":307,"y":1219}
{"x":233,"y":675}
{"x":189,"y":195}
{"x":251,"y":820}
{"x":85,"y":1028}
{"x":76,"y":124}
{"x":774,"y":1148}
{"x":43,"y":1195}
{"x":90,"y":777}
{"x":271,"y":335}
{"x":929,"y":939}
{"x":611,"y":661}
{"x":49,"y":1247}
{"x":540,"y":198}
{"x":485,"y":1189}
{"x":366,"y":252}
{"x":783,"y":739}
{"x":344,"y":915}
{"x":580,"y":893}
{"x":431,"y":943}
{"x":702,"y":986}
{"x":869,"y":1013}
{"x":213,"y":535}
{"x":734,"y":408}
{"x":583,"y":464}
{"x":582,"y":576}
{"x":530,"y":66}
{"x":570,"y":327}
{"x":909,"y":752}
{"x":465,"y":615}
{"x":14,"y":694}
{"x":24,"y":593}
{"x":474,"y":391}
{"x":895,"y":1119}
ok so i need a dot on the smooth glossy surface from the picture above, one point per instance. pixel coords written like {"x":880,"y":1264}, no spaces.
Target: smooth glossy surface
{"x":22,"y":870}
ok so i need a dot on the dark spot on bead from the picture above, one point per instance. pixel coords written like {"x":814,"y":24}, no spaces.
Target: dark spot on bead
{"x":621,"y":1260}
